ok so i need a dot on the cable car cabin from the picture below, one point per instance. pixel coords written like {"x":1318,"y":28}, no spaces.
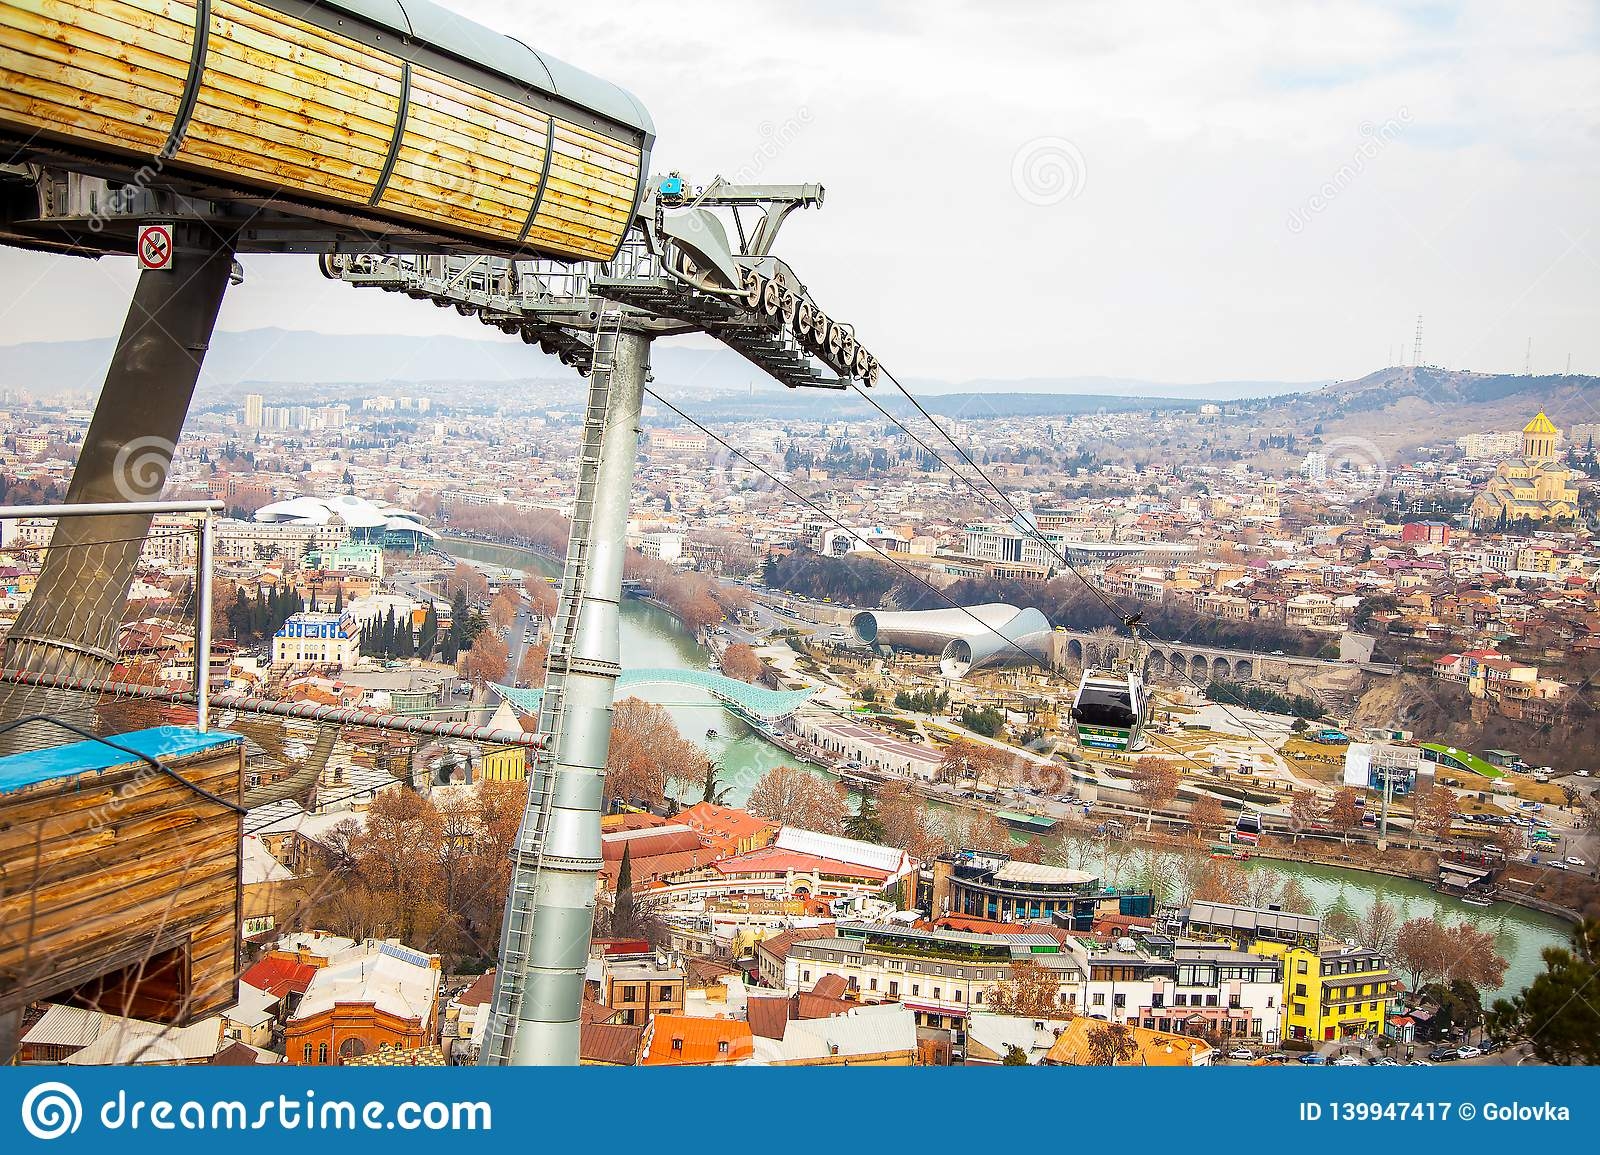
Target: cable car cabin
{"x":1110,"y":710}
{"x":119,"y":882}
{"x":391,"y":119}
{"x":1247,"y":830}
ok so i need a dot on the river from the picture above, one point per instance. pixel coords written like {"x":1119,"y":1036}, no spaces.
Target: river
{"x":653,"y":638}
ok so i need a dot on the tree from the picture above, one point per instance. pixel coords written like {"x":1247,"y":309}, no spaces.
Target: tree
{"x":1205,"y":814}
{"x":1436,"y":811}
{"x":980,"y":830}
{"x":467,"y":581}
{"x":1263,"y":887}
{"x":864,"y":825}
{"x":1378,"y":927}
{"x":712,"y":788}
{"x":966,"y":759}
{"x":794,"y":797}
{"x":622,"y":911}
{"x":647,"y":757}
{"x":1031,"y":991}
{"x":1110,"y":1044}
{"x":1557,"y":1014}
{"x":1344,"y":813}
{"x":1421,"y":950}
{"x":1015,"y":1057}
{"x":530,"y":667}
{"x":503,"y":610}
{"x":1340,"y":922}
{"x":1474,"y":959}
{"x":1294,"y":898}
{"x":1221,"y":880}
{"x":903,"y":814}
{"x":740,"y":661}
{"x":486,"y":661}
{"x":1305,"y":812}
{"x":1156,"y":782}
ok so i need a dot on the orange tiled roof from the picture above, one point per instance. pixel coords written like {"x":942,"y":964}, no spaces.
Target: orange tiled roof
{"x":1151,"y":1048}
{"x":682,"y":1040}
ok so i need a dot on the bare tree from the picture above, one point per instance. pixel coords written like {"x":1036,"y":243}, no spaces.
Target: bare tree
{"x":1156,"y":782}
{"x":794,"y":797}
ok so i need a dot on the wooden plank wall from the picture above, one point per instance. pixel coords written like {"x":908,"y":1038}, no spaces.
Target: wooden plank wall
{"x":283,"y":105}
{"x":101,"y":866}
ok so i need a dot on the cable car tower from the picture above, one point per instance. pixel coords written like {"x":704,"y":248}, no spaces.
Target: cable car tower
{"x":676,"y":272}
{"x":474,"y":172}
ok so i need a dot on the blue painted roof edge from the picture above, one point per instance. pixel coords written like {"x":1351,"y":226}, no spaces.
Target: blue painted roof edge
{"x":18,"y":771}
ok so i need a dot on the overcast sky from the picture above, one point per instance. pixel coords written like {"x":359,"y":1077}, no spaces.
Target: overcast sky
{"x":1180,"y":192}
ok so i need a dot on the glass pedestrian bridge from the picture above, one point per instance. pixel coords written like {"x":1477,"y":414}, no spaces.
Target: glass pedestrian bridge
{"x":754,"y":703}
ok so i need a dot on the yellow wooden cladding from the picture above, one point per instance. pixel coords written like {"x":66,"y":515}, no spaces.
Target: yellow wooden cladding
{"x":273,"y":122}
{"x":110,"y":71}
{"x":123,"y":862}
{"x":438,"y":163}
{"x":284,"y":105}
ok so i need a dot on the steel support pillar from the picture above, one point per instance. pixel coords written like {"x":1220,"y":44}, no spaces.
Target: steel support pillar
{"x":69,"y":626}
{"x":550,"y":940}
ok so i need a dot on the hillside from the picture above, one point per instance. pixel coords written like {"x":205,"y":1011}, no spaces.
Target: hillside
{"x":1400,"y":408}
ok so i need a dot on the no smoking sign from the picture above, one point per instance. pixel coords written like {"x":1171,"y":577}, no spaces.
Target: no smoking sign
{"x":155,"y":247}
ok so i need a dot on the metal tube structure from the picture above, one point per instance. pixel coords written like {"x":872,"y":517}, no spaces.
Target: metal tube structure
{"x":69,"y":626}
{"x":550,"y":910}
{"x":202,"y":634}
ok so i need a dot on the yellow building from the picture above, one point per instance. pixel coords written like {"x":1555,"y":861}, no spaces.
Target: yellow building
{"x":504,"y":764}
{"x":1532,"y":487}
{"x":1330,"y":991}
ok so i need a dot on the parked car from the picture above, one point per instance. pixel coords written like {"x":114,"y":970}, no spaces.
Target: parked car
{"x":1442,"y":1055}
{"x":1419,"y":1063}
{"x":1387,"y":1062}
{"x":1241,"y":1054}
{"x":1347,"y":1061}
{"x":1574,"y":860}
{"x":1468,"y":1052}
{"x":1314,"y":1060}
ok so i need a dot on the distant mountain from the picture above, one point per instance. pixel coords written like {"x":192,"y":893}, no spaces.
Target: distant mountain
{"x":1404,"y":406}
{"x":263,"y":357}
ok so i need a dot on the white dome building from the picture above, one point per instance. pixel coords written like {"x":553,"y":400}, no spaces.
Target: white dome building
{"x":370,"y":523}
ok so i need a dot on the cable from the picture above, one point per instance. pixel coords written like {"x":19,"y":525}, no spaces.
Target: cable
{"x":1130,"y":622}
{"x":804,"y":500}
{"x":891,"y":560}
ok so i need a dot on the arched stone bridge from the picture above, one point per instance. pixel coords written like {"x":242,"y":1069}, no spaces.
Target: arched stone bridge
{"x":1199,"y":663}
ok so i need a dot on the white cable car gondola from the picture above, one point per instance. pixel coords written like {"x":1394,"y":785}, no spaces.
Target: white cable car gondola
{"x":1110,"y":710}
{"x":1247,"y":831}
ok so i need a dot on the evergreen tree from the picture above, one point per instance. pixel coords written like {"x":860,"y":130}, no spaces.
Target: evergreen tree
{"x":623,"y":914}
{"x":428,"y":640}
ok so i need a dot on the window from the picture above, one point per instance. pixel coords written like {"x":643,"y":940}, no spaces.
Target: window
{"x":722,"y":1046}
{"x":666,"y":994}
{"x":1099,"y":999}
{"x":308,"y":1054}
{"x":1300,"y":967}
{"x":1299,"y":1008}
{"x":894,"y":990}
{"x":1158,"y":1000}
{"x":677,"y":1046}
{"x":958,"y":996}
{"x":805,"y":976}
{"x":916,"y":988}
{"x":322,"y":1053}
{"x":936,"y":993}
{"x":1119,"y":1000}
{"x":872,"y":984}
{"x":1300,"y":990}
{"x":978,"y":998}
{"x":1211,"y":1000}
{"x":1181,"y":1000}
{"x":1233,"y":1002}
{"x":631,"y":994}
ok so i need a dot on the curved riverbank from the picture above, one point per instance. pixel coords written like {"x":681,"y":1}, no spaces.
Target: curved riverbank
{"x":651,"y":637}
